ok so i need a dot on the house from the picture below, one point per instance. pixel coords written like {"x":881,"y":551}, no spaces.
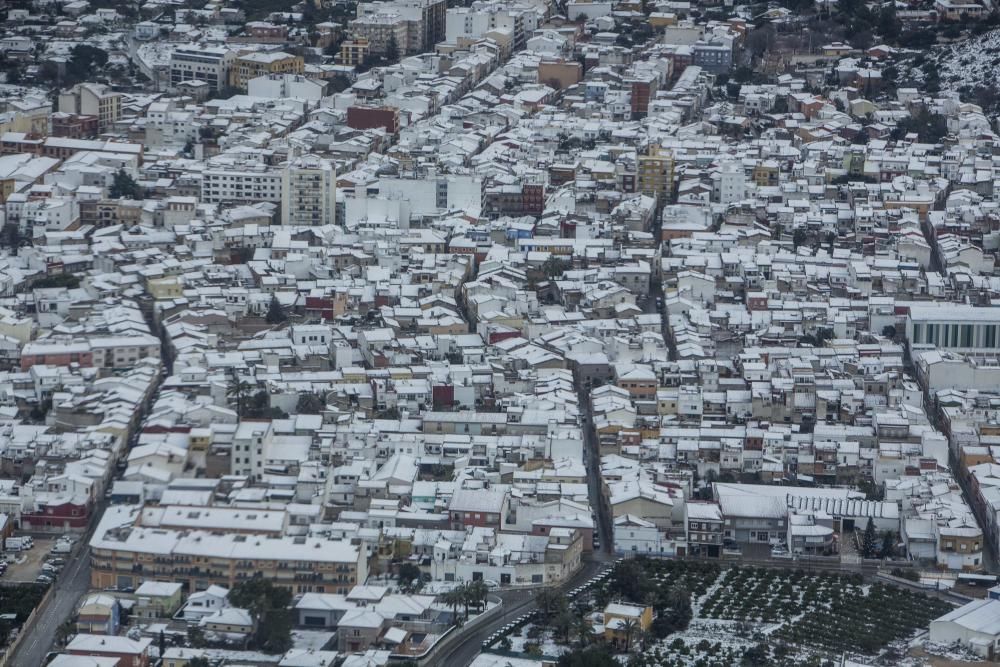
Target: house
{"x":622,"y":622}
{"x":98,"y":614}
{"x":204,"y":603}
{"x":975,"y":626}
{"x":359,"y":629}
{"x":176,"y":656}
{"x":231,"y":623}
{"x":157,"y":599}
{"x":638,"y":536}
{"x":322,"y":610}
{"x":64,"y":660}
{"x":478,"y":507}
{"x":704,"y":528}
{"x":129,"y":652}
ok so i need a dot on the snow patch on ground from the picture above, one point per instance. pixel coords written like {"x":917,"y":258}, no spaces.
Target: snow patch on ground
{"x":971,"y":63}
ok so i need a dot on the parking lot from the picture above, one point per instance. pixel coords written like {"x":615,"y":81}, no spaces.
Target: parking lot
{"x":26,"y":565}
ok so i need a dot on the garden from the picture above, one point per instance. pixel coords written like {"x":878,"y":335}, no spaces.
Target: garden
{"x":19,"y":600}
{"x":707,"y":615}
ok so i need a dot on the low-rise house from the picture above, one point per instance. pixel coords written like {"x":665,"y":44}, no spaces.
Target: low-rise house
{"x":128,"y":652}
{"x":98,"y":614}
{"x":623,"y":622}
{"x":204,"y":603}
{"x":229,"y":623}
{"x":157,"y":599}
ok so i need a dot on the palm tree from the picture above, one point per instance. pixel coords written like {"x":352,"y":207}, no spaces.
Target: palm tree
{"x":237,"y":391}
{"x":476,"y":593}
{"x":65,"y":631}
{"x":630,"y":626}
{"x":548,"y":601}
{"x":584,"y":631}
{"x":643,"y":637}
{"x":562,"y":624}
{"x":463,"y":592}
{"x":454,"y":599}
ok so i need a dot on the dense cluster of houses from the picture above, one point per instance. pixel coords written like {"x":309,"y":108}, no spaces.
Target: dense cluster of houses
{"x":469,"y":289}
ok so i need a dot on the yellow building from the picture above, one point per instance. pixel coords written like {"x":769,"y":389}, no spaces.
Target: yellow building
{"x":252,"y":65}
{"x":7,"y":186}
{"x":353,"y":52}
{"x":656,"y":172}
{"x":29,"y":116}
{"x":662,"y":19}
{"x":766,"y":173}
{"x":623,"y":623}
{"x":125,"y":557}
{"x":93,"y":99}
{"x":170,"y":287}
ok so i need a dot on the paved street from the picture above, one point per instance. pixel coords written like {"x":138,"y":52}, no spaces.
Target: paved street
{"x":67,"y":590}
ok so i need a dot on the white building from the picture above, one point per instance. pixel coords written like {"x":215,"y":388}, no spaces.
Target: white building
{"x":429,"y":196}
{"x":210,"y":64}
{"x":92,"y":99}
{"x":308,"y":191}
{"x":250,"y":445}
{"x":590,"y":10}
{"x":635,"y":535}
{"x":976,"y":626}
{"x":242,"y":183}
{"x":481,"y":18}
{"x":51,"y":214}
{"x":730,"y":182}
{"x":274,"y":86}
{"x":953,"y":326}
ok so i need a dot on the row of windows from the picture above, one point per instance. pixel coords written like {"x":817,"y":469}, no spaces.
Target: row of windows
{"x":957,"y":335}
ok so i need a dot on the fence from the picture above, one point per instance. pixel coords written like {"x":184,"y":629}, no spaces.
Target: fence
{"x":453,"y":633}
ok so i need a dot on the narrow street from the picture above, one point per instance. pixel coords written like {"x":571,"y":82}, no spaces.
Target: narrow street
{"x":592,"y":459}
{"x":74,"y":581}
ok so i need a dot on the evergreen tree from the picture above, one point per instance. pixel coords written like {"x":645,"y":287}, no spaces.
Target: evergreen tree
{"x":276,"y":312}
{"x":10,"y":235}
{"x":124,"y":186}
{"x":798,"y":237}
{"x":888,"y":24}
{"x":409,"y":578}
{"x":595,"y":656}
{"x":392,"y":49}
{"x":869,"y":542}
{"x":163,"y":644}
{"x":309,"y":404}
{"x":268,"y":604}
{"x":888,"y":544}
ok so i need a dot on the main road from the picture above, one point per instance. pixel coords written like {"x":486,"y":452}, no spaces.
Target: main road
{"x":60,"y":604}
{"x":515,"y":603}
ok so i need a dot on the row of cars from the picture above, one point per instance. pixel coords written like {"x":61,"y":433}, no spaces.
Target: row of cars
{"x":507,"y":629}
{"x":12,"y":546}
{"x":593,"y":581}
{"x":524,"y":618}
{"x":55,"y":561}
